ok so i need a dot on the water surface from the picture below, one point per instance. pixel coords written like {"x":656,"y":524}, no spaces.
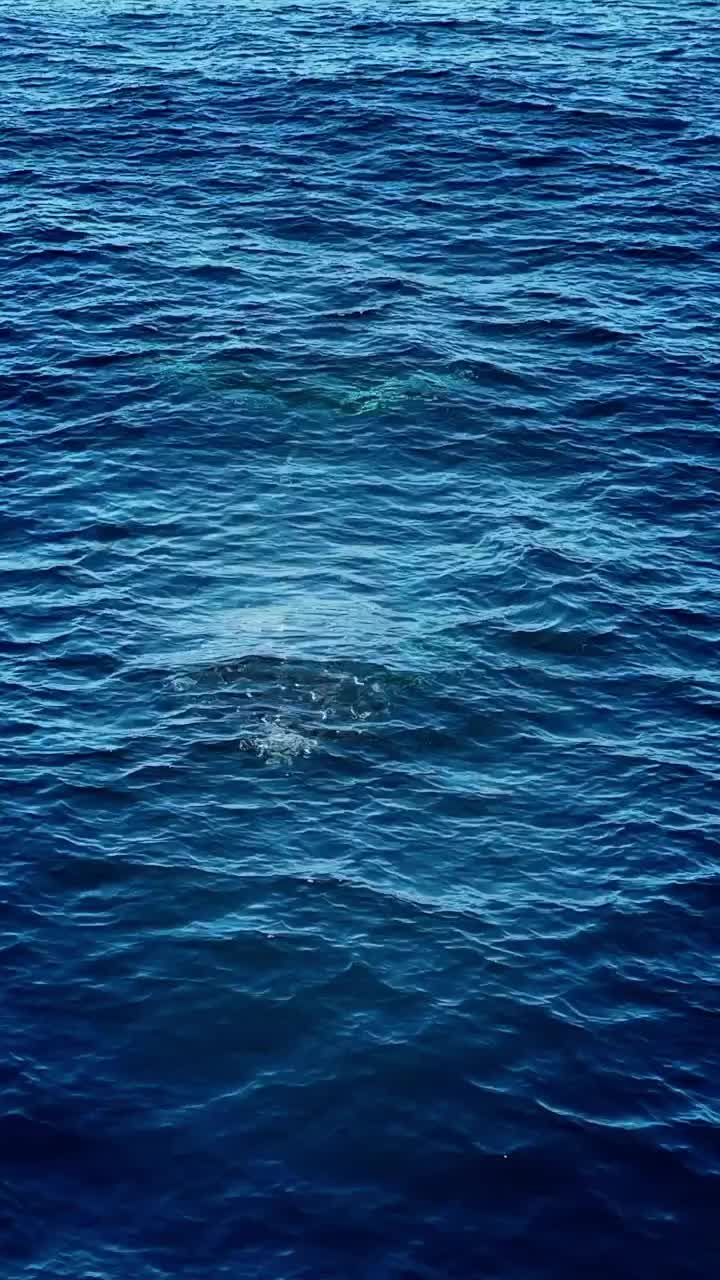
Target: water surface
{"x":359,"y":677}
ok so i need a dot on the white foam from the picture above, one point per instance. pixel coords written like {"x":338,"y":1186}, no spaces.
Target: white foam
{"x":277,"y":744}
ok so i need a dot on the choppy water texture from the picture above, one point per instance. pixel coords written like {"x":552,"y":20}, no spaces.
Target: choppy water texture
{"x":359,"y":676}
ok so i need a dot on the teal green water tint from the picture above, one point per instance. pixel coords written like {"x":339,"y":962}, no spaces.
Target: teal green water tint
{"x":359,"y":682}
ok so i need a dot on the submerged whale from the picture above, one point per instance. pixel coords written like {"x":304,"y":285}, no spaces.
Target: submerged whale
{"x":283,"y":708}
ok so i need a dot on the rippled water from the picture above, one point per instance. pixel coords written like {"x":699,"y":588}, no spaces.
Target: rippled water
{"x":359,"y":677}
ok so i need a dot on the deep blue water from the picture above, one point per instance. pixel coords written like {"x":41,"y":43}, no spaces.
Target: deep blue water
{"x":359,"y":674}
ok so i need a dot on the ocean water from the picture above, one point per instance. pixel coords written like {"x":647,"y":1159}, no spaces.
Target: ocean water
{"x":359,"y":685}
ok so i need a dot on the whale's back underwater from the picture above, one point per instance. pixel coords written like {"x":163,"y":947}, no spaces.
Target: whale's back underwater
{"x":281,"y":708}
